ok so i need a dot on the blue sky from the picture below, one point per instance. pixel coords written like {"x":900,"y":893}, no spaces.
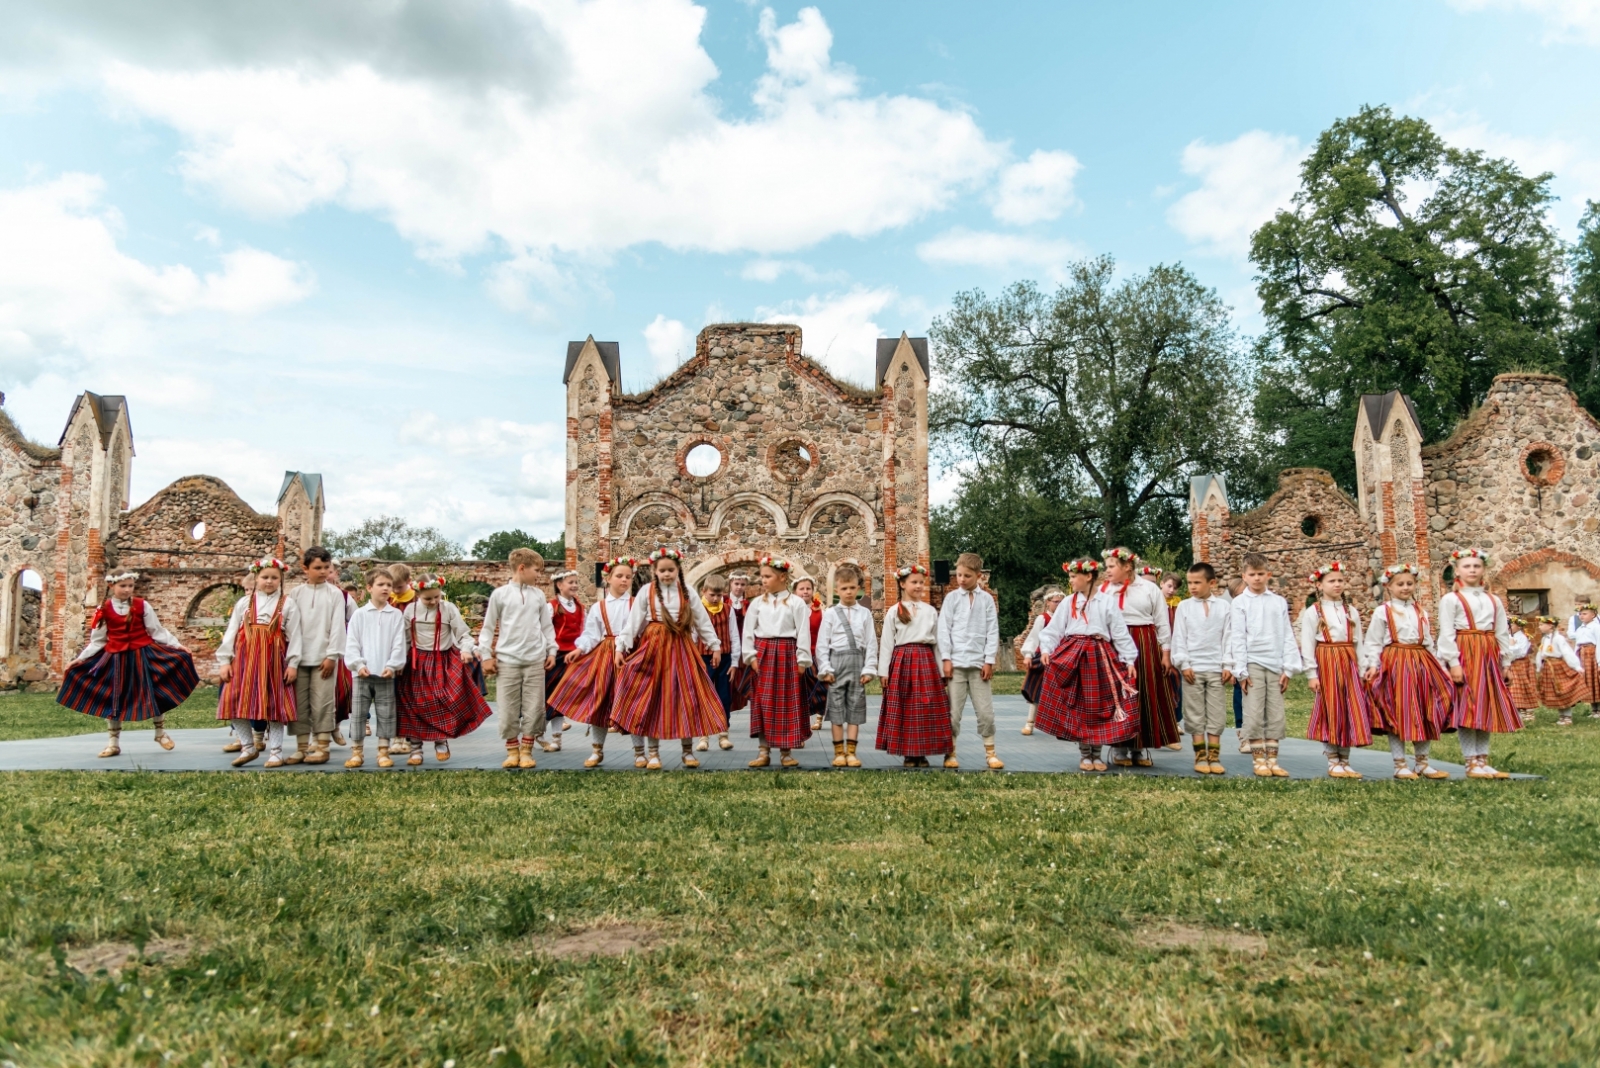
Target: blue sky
{"x":358,"y":245}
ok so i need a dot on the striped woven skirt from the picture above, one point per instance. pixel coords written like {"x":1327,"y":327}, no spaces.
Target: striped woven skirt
{"x":779,"y":699}
{"x":257,"y":691}
{"x":1559,"y":686}
{"x":1032,"y":681}
{"x":1158,"y":715}
{"x":663,"y":690}
{"x":1591,"y":674}
{"x":1342,"y":714}
{"x":1411,"y":694}
{"x":1483,"y":703}
{"x":914,"y":719}
{"x":740,"y":683}
{"x":1083,"y":699}
{"x":1523,"y":682}
{"x":133,"y":685}
{"x":435,"y":698}
{"x":587,"y":687}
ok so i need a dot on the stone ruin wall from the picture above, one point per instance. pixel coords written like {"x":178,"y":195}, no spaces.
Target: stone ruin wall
{"x":29,"y":509}
{"x":1306,"y":498}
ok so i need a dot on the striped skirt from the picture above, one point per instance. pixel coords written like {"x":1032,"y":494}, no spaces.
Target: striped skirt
{"x":586,"y":689}
{"x":779,"y":700}
{"x":1591,"y":674}
{"x":1559,"y":686}
{"x":1411,"y":694}
{"x":663,"y":690}
{"x":1158,"y":715}
{"x":133,"y":685}
{"x":435,"y":698}
{"x":1342,"y":714}
{"x":914,"y":719}
{"x":257,"y":691}
{"x":1083,"y":699}
{"x":1523,"y":682}
{"x":1482,"y":702}
{"x":552,"y":679}
{"x":1033,"y":681}
{"x":740,"y":683}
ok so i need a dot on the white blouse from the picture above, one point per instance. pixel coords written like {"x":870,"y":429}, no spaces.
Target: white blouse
{"x":778,"y":615}
{"x":616,"y":611}
{"x":1411,"y":627}
{"x":455,"y":634}
{"x":1486,"y":607}
{"x":1520,"y":645}
{"x":152,"y":627}
{"x":670,"y":599}
{"x":1141,"y":603}
{"x":1555,"y":646}
{"x":265,"y":604}
{"x":1095,"y":615}
{"x":1030,"y":644}
{"x":1344,"y":625}
{"x":922,"y":630}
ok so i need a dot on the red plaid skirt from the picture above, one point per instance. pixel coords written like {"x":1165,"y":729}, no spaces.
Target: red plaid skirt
{"x":1342,"y":714}
{"x":1033,"y":681}
{"x":914,"y":720}
{"x":1082,"y":700}
{"x":1482,"y":702}
{"x":1523,"y":682}
{"x":435,"y":698}
{"x":1411,"y":694}
{"x":587,"y":687}
{"x":1158,"y":712}
{"x":778,"y":703}
{"x":135,"y":684}
{"x":663,"y":690}
{"x":1559,"y":686}
{"x":1591,"y":674}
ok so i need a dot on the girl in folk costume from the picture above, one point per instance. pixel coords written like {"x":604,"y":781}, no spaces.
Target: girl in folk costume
{"x":435,"y":698}
{"x":1411,"y":693}
{"x":914,"y":719}
{"x":1169,"y":593}
{"x":776,"y":649}
{"x":567,"y":617}
{"x":815,"y":690}
{"x":714,"y":596}
{"x":1522,"y":677}
{"x":1475,"y":645}
{"x":1049,"y":597}
{"x":1583,"y":630}
{"x":1144,"y":610}
{"x":1341,"y":714}
{"x":133,"y":669}
{"x":1087,"y":696}
{"x":663,"y":690}
{"x":589,"y":682}
{"x":259,"y":655}
{"x":1561,"y":680}
{"x":740,"y":679}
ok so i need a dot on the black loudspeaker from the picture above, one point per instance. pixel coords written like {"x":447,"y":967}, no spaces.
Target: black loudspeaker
{"x":941,"y":572}
{"x":599,"y":574}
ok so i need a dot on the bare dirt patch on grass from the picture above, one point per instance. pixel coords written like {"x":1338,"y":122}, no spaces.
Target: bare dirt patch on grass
{"x":114,"y":956}
{"x":614,"y":941}
{"x":1173,"y":935}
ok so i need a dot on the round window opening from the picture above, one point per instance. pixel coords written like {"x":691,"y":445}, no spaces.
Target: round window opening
{"x":198,"y":531}
{"x":791,"y":460}
{"x":1311,"y":526}
{"x":703,"y":460}
{"x":1538,"y":463}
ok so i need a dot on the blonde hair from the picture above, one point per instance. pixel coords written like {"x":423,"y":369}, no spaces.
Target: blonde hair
{"x":847,"y":571}
{"x":714,"y":582}
{"x":524,"y":558}
{"x":399,"y":574}
{"x":970,"y":561}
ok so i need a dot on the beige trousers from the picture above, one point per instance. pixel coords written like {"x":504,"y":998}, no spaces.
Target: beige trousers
{"x":519,"y":695}
{"x":969,"y":682}
{"x":1263,"y":707}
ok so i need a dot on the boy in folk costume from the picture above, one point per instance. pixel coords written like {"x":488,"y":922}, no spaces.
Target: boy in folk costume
{"x":914,"y":718}
{"x":1262,"y":655}
{"x":375,"y":650}
{"x":776,"y":650}
{"x":401,"y":596}
{"x":1089,"y":658}
{"x":436,"y":699}
{"x":1410,"y":691}
{"x":1200,"y":655}
{"x":1330,"y":635}
{"x":1475,"y":645}
{"x":321,"y":607}
{"x":518,"y":644}
{"x":1583,"y":630}
{"x":589,"y":684}
{"x":815,"y":690}
{"x":969,"y":639}
{"x":1049,"y":598}
{"x":713,"y":595}
{"x":1522,"y":677}
{"x":847,"y":656}
{"x":567,"y":616}
{"x":1145,"y":611}
{"x":133,"y":669}
{"x":259,"y":655}
{"x":663,"y":690}
{"x":1561,"y":681}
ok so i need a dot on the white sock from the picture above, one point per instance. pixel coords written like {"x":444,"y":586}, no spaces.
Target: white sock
{"x":1421,"y":749}
{"x":1397,"y":747}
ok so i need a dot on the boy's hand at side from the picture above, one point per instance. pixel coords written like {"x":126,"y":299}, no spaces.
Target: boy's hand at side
{"x":550,"y":662}
{"x":328,"y":666}
{"x":988,"y":672}
{"x":1283,"y":683}
{"x":828,"y":678}
{"x":290,"y":675}
{"x":362,"y":671}
{"x":388,"y":673}
{"x":489,"y":666}
{"x":949,"y":669}
{"x":1188,"y":675}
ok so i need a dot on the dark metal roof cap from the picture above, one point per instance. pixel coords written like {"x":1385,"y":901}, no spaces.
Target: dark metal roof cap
{"x":610,"y":358}
{"x":1379,"y":406}
{"x":312,"y":483}
{"x":887,"y":347}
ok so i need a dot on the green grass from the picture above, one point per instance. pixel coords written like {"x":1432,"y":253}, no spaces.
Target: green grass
{"x":36,"y":715}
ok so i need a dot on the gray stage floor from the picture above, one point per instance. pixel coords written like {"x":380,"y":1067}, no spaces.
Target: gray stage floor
{"x":200,"y":750}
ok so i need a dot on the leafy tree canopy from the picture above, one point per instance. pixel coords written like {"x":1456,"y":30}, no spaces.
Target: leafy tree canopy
{"x":1581,"y":348}
{"x":498,"y":546}
{"x":388,"y":537}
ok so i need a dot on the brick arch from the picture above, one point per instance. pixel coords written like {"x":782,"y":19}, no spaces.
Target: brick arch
{"x":1539,"y":558}
{"x":718,"y":561}
{"x":646,"y":500}
{"x":839,"y":497}
{"x":208,"y":588}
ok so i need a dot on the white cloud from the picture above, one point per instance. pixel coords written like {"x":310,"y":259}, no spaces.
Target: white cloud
{"x":669,"y":343}
{"x":1576,"y":166}
{"x":1037,"y":189}
{"x":1564,"y":19}
{"x":770,"y":270}
{"x":840,"y":330}
{"x":961,"y":247}
{"x":1243,"y":182}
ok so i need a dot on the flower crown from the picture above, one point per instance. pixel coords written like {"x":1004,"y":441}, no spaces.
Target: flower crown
{"x":666,"y":552}
{"x":1119,"y":554}
{"x":776,"y":563}
{"x":559,"y":575}
{"x":625,"y":561}
{"x":1470,"y":554}
{"x":1150,"y":571}
{"x":1398,"y":569}
{"x":258,"y":566}
{"x":1082,"y":567}
{"x":1586,"y":606}
{"x":909,"y":570}
{"x":1552,"y":620}
{"x":122,"y":576}
{"x":428,"y":582}
{"x":1316,"y":576}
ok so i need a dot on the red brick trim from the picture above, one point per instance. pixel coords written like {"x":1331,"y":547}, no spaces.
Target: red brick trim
{"x":811,"y":450}
{"x":1500,"y":579}
{"x":1558,"y":463}
{"x":720,"y":444}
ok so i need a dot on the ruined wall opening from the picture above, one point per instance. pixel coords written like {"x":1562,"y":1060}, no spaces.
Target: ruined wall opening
{"x":1311,"y":526}
{"x":703,"y":460}
{"x":212,"y":607}
{"x":27,"y":605}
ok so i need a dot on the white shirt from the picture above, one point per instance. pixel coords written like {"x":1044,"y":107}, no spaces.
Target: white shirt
{"x":456,"y":635}
{"x":969,"y":628}
{"x":1141,"y":603}
{"x":609,"y":609}
{"x":1200,"y":634}
{"x":265,"y":603}
{"x":321,"y":607}
{"x":1092,"y":614}
{"x":1581,"y":633}
{"x":152,"y":627}
{"x":781,"y":615}
{"x":839,"y":625}
{"x":1411,"y":627}
{"x":1520,"y":645}
{"x":526,"y":634}
{"x":1555,"y":646}
{"x":640,"y":617}
{"x":377,"y":640}
{"x":1485,"y":607}
{"x":1344,"y":625}
{"x":1030,"y":644}
{"x":1259,"y":632}
{"x":922,"y":630}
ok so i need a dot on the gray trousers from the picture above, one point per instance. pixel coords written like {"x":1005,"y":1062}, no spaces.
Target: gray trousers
{"x":519,"y":695}
{"x":377,"y":694}
{"x":1207,"y":704}
{"x":1263,"y":707}
{"x":316,"y":700}
{"x":965,"y":682}
{"x":847,"y":698}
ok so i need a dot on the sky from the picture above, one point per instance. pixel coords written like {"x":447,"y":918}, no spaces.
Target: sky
{"x":355,"y":239}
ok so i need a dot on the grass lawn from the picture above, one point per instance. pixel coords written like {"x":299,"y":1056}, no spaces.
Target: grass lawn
{"x":804,"y":919}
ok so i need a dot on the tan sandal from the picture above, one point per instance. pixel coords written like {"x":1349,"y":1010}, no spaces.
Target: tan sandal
{"x":593,"y":759}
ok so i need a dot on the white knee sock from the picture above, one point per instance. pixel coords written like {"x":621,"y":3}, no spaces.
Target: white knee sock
{"x":275,"y":733}
{"x":1397,"y":747}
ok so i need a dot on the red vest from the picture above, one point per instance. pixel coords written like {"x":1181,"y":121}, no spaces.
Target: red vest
{"x":122,"y":632}
{"x":568,"y":625}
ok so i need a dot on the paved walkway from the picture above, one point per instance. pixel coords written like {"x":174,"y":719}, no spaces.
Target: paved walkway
{"x":201,"y":750}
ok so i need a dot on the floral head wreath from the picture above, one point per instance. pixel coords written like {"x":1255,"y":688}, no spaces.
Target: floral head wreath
{"x":1552,"y":620}
{"x":1587,"y":606}
{"x":624,"y":561}
{"x":1119,"y":554}
{"x":1470,"y":554}
{"x":1334,"y":568}
{"x":428,"y":582}
{"x":258,"y":566}
{"x":666,"y":552}
{"x":1150,"y":571}
{"x":1082,"y":567}
{"x":1398,"y":569}
{"x":909,"y":570}
{"x":122,"y":576}
{"x":559,"y":575}
{"x":1052,"y":591}
{"x":777,"y":563}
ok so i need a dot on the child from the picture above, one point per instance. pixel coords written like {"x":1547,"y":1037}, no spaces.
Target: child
{"x":1236,"y":587}
{"x":1584,"y":632}
{"x":847,"y":656}
{"x":713,"y":595}
{"x":775,"y":650}
{"x":567,"y":616}
{"x":133,"y":669}
{"x":234,"y":744}
{"x":914,"y":718}
{"x":1410,"y":692}
{"x":1086,"y":697}
{"x":1145,"y":611}
{"x":1200,"y":654}
{"x":518,"y":644}
{"x":1341,"y":713}
{"x":1263,"y":656}
{"x":375,"y":650}
{"x":969,"y":638}
{"x":739,"y":678}
{"x":663,"y":690}
{"x":1561,"y":681}
{"x":259,"y":655}
{"x":1169,"y":593}
{"x":1475,"y":646}
{"x":588,"y":686}
{"x":320,"y":604}
{"x":436,"y":699}
{"x":1522,"y":677}
{"x":344,"y":692}
{"x":401,"y":596}
{"x":1049,"y":597}
{"x":814,"y":689}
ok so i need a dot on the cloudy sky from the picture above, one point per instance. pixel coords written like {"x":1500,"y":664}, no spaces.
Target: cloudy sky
{"x":356,"y":238}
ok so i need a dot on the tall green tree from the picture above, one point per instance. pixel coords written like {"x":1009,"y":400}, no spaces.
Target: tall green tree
{"x":1404,"y":264}
{"x":1581,"y":348}
{"x":388,"y":537}
{"x":498,"y":546}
